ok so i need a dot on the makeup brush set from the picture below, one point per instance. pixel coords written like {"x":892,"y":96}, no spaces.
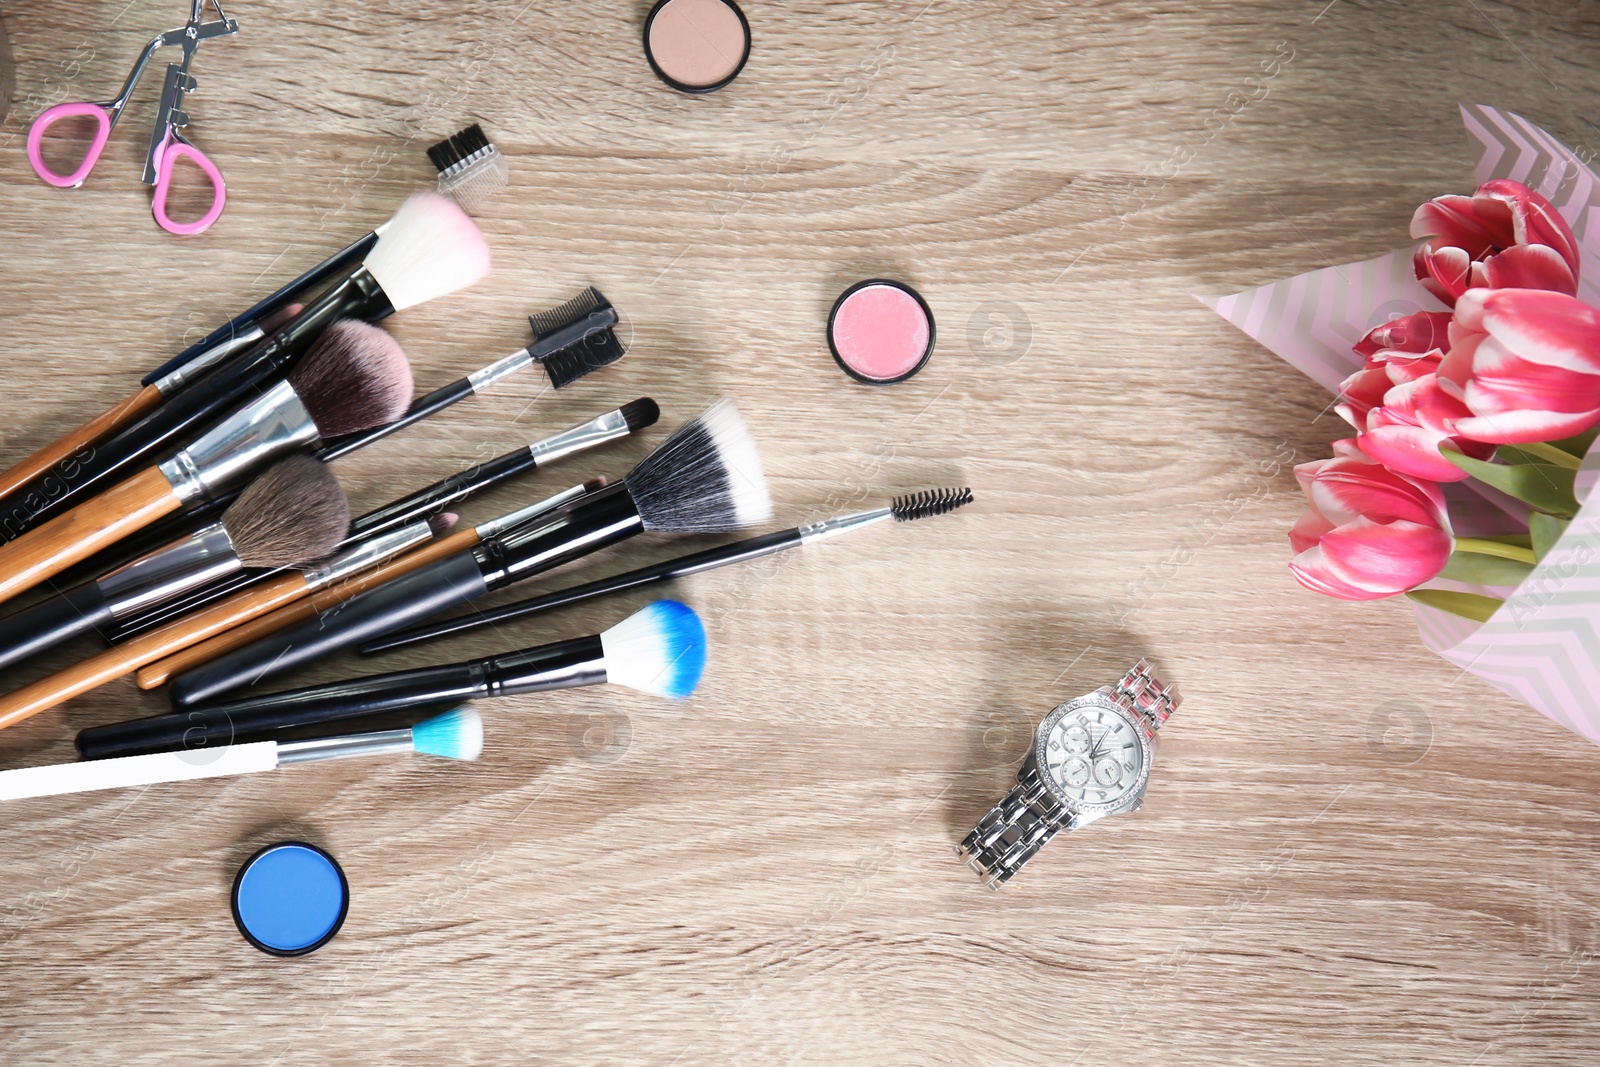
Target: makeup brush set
{"x":198,"y":528}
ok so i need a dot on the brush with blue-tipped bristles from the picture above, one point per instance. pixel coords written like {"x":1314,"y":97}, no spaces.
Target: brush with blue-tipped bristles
{"x":456,"y":735}
{"x":660,"y":650}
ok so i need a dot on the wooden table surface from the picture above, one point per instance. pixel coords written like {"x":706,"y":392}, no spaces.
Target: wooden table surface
{"x":1351,"y":851}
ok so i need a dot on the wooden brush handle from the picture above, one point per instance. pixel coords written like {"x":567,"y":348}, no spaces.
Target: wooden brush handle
{"x":51,"y":548}
{"x":92,"y":432}
{"x":301,"y":610}
{"x":147,"y":648}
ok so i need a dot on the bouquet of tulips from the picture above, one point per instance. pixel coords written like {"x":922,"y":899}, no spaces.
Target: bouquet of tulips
{"x":1503,"y":388}
{"x":1468,"y":367}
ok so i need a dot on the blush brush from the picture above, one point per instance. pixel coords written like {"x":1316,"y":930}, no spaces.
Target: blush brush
{"x":903,"y":509}
{"x":455,"y":735}
{"x":428,"y":249}
{"x":705,"y":478}
{"x":659,"y":650}
{"x":356,"y":376}
{"x":294,"y":512}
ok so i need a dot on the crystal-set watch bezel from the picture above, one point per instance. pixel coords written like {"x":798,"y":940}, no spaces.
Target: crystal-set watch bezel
{"x":1141,"y":730}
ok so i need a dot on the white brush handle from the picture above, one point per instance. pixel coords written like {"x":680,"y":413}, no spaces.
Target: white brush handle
{"x":138,"y":770}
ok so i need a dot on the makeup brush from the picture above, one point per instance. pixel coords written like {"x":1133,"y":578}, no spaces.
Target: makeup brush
{"x":113,"y":663}
{"x":620,"y":422}
{"x":456,"y":735}
{"x":660,"y":650}
{"x":327,"y":603}
{"x":569,"y":342}
{"x":471,"y":169}
{"x":903,"y":509}
{"x":429,"y":248}
{"x":294,"y":512}
{"x":356,"y":376}
{"x":705,"y":478}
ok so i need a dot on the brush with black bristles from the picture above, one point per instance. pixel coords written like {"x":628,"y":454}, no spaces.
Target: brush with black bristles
{"x":471,"y":169}
{"x":705,"y":478}
{"x":427,"y":249}
{"x":294,"y":512}
{"x":630,"y":418}
{"x":354,"y":377}
{"x":659,"y":650}
{"x":902,"y":509}
{"x":569,"y":342}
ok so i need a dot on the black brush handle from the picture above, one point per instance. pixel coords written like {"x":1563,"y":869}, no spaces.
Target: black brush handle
{"x":433,"y":403}
{"x":339,"y":263}
{"x":44,"y":625}
{"x":438,"y":587}
{"x":208,"y":401}
{"x":557,"y":666}
{"x":669,"y":570}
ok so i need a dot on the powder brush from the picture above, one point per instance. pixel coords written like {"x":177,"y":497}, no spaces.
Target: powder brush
{"x":355,"y":376}
{"x":902,"y":509}
{"x":705,"y":478}
{"x":429,"y":248}
{"x":328,"y":602}
{"x":293,"y":512}
{"x":660,"y":650}
{"x":456,"y":735}
{"x":632,"y":417}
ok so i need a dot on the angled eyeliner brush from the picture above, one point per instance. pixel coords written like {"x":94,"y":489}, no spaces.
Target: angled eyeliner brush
{"x":620,"y":422}
{"x":569,"y":342}
{"x":659,"y":650}
{"x":456,"y":735}
{"x":705,"y":478}
{"x":428,"y":249}
{"x":903,"y":509}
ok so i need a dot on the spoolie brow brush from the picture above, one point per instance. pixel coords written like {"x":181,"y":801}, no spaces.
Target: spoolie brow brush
{"x":620,"y":422}
{"x":903,"y":509}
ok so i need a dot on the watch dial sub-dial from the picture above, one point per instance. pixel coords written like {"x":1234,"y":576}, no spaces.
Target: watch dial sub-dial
{"x":1093,"y":755}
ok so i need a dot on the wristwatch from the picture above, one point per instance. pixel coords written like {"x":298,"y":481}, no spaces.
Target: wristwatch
{"x":1090,"y":758}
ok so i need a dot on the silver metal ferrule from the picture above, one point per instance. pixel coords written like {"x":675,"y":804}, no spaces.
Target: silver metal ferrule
{"x":376,"y":743}
{"x":367,"y":554}
{"x":176,"y":379}
{"x":496,"y":527}
{"x":821,"y":531}
{"x":202,"y":557}
{"x":597,"y":431}
{"x":275,"y":423}
{"x":504,"y":367}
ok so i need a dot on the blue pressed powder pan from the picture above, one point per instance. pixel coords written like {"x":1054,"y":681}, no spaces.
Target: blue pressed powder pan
{"x":290,"y":898}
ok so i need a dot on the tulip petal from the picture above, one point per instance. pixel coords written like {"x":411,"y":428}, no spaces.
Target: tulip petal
{"x":1385,"y":558}
{"x":1543,"y":327}
{"x":1308,"y":530}
{"x":1411,"y":450}
{"x":1530,"y":267}
{"x":1468,"y":223}
{"x":1521,"y":427}
{"x":1310,"y":569}
{"x":1342,"y":494}
{"x":1534,"y":219}
{"x":1418,"y":333}
{"x":1449,"y":268}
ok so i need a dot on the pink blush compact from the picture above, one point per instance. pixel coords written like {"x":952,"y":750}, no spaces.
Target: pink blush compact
{"x":880,"y":331}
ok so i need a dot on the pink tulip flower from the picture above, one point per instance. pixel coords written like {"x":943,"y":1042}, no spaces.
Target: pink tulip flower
{"x":1526,"y":362}
{"x":1368,"y":532}
{"x":1506,"y":236}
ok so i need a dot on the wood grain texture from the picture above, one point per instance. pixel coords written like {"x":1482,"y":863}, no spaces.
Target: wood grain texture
{"x":1351,"y":851}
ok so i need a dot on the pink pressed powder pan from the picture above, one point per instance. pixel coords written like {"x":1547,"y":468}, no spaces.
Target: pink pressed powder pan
{"x":696,"y":46}
{"x":880,"y":331}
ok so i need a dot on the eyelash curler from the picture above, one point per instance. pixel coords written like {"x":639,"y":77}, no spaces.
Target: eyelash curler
{"x":167,"y":144}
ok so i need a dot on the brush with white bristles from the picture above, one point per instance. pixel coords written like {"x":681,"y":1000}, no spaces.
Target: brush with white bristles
{"x":354,"y":377}
{"x":705,"y":478}
{"x":427,"y":249}
{"x":455,"y":735}
{"x":659,"y":650}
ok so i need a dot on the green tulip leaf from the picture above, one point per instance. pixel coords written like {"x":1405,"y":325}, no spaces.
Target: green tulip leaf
{"x":1540,"y":485}
{"x":1579,"y":445}
{"x":1467,"y":605}
{"x":1545,"y":530}
{"x":1477,"y":569}
{"x":1515,"y":456}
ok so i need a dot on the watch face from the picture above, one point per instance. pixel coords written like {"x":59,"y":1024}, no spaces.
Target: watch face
{"x":1092,"y":753}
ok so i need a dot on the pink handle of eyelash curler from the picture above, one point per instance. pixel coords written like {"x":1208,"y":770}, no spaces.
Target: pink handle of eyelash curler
{"x":158,"y":205}
{"x":65,"y":111}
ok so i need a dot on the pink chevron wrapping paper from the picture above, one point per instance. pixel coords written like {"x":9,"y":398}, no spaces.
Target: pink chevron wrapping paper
{"x":1543,"y":645}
